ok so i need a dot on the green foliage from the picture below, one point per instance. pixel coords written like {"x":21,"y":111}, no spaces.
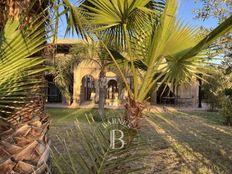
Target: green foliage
{"x":219,"y":9}
{"x":62,"y":71}
{"x":217,"y":93}
{"x":217,"y":87}
{"x":108,"y":18}
{"x":213,"y":89}
{"x":88,"y":52}
{"x":170,"y":51}
{"x":19,"y":65}
{"x":65,"y":10}
{"x":74,"y":18}
{"x":226,"y":110}
{"x":86,"y":149}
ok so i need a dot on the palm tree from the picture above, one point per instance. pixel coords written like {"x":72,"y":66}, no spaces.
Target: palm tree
{"x":24,"y":9}
{"x":24,"y":146}
{"x":165,"y":50}
{"x":90,"y":51}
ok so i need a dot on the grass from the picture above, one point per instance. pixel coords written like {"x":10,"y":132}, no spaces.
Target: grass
{"x":213,"y":117}
{"x":182,"y":142}
{"x":64,"y":115}
{"x":61,"y":115}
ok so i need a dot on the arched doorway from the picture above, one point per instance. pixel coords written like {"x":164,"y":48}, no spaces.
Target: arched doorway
{"x":112,"y":89}
{"x":87,"y":87}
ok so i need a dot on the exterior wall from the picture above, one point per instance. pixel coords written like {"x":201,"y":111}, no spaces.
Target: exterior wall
{"x":153,"y":96}
{"x":186,"y":95}
{"x":189,"y":93}
{"x":79,"y":72}
{"x":82,"y":70}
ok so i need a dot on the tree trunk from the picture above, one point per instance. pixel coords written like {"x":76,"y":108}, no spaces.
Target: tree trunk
{"x":15,"y":9}
{"x":200,"y":93}
{"x":102,"y":94}
{"x":24,"y":146}
{"x":133,"y":112}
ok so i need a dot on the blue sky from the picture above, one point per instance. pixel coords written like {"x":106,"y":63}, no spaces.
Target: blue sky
{"x":185,"y":13}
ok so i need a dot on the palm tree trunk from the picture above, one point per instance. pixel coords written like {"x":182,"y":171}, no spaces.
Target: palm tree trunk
{"x":102,"y":94}
{"x":133,"y":111}
{"x":24,"y":146}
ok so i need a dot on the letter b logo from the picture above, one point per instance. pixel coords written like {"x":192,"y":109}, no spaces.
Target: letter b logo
{"x":113,"y":139}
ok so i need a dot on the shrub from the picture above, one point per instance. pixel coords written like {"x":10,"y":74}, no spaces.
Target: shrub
{"x":226,"y":110}
{"x":212,"y":90}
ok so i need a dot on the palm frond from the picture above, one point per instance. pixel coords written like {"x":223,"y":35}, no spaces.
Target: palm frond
{"x":19,"y":67}
{"x":95,"y":154}
{"x":171,"y":52}
{"x":108,"y":17}
{"x":156,"y":41}
{"x":74,"y":18}
{"x":188,"y":56}
{"x":212,"y":36}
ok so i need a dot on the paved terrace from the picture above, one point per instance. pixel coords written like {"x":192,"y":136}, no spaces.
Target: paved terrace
{"x":153,"y":108}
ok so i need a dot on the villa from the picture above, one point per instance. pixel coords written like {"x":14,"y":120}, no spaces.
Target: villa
{"x":84,"y":87}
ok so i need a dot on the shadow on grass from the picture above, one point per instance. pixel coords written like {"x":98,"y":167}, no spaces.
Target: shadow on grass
{"x":213,"y":117}
{"x":203,"y":149}
{"x":67,"y":115}
{"x":182,"y":142}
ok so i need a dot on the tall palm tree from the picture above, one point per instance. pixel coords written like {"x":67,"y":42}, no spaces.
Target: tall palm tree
{"x":165,"y":49}
{"x":90,"y":51}
{"x":24,"y":146}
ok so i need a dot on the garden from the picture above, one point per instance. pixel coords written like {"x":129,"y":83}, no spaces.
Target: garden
{"x":179,"y":142}
{"x":152,"y":51}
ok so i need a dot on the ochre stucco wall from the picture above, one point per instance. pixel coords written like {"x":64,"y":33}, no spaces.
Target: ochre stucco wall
{"x":81,"y":70}
{"x":188,"y":93}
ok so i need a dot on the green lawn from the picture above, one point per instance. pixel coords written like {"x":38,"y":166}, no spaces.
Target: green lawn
{"x":213,"y":117}
{"x":63,"y":115}
{"x":182,"y":142}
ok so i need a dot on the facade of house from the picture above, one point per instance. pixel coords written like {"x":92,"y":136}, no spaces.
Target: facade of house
{"x":85,"y":86}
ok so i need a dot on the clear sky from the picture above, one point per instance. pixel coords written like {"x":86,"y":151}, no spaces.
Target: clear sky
{"x":185,"y":13}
